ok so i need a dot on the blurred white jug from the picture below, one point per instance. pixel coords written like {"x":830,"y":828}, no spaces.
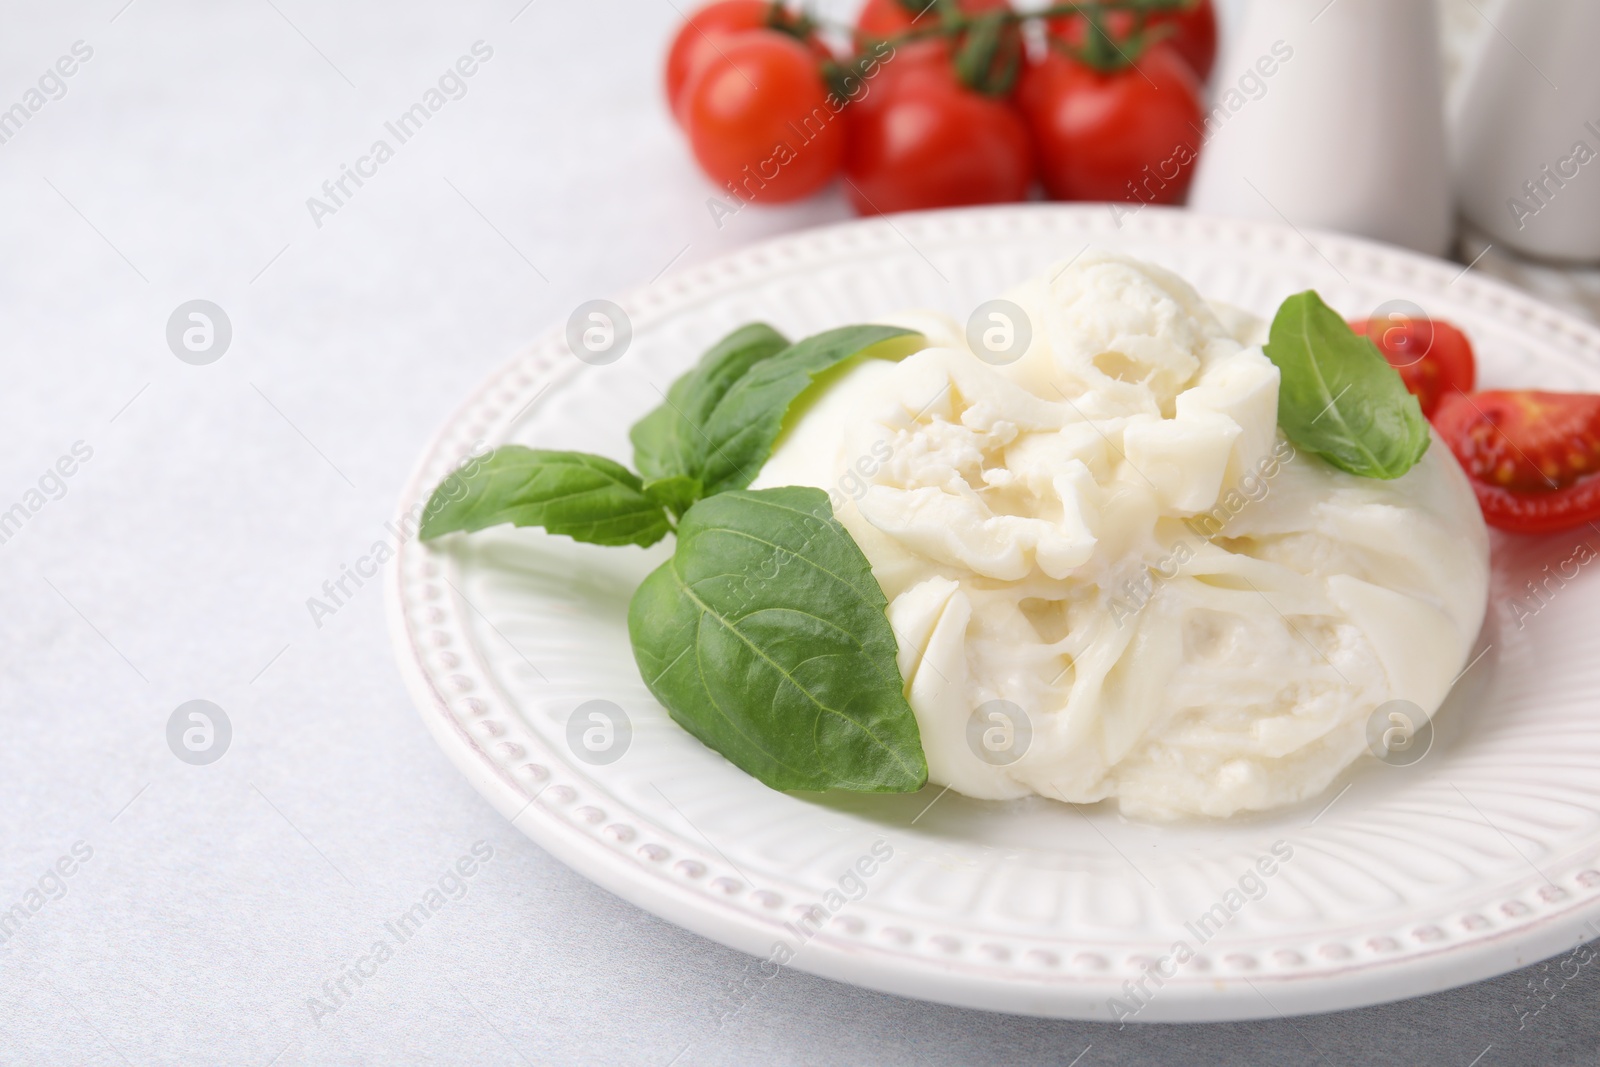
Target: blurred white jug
{"x":1346,"y":133}
{"x":1527,"y":129}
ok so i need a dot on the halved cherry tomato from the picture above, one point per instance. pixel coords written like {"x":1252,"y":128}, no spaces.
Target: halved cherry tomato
{"x":1129,"y":134}
{"x":929,"y":141}
{"x":1533,"y":458}
{"x":760,"y":117}
{"x":704,"y":35}
{"x":1432,"y":356}
{"x":1191,"y":30}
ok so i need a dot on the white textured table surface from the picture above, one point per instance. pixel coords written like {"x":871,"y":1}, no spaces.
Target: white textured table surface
{"x":175,"y":564}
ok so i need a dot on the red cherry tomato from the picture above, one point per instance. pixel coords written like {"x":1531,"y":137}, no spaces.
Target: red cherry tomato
{"x":759,"y":117}
{"x":897,"y":61}
{"x":881,"y":19}
{"x":931,"y":142}
{"x":703,"y":38}
{"x":877,"y":64}
{"x":1533,"y":458}
{"x":1129,"y":134}
{"x":1191,"y":30}
{"x":888,"y":18}
{"x":1194,"y":35}
{"x":1433,"y":357}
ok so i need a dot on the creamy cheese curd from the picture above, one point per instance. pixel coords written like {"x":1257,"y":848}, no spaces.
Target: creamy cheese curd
{"x":1110,"y":535}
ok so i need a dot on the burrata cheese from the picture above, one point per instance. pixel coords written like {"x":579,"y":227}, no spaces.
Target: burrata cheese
{"x":1112,"y":577}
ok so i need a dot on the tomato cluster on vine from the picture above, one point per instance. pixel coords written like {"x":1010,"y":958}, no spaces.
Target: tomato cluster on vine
{"x":941,"y":103}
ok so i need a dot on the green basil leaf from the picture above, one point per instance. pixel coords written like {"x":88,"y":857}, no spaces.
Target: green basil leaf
{"x":721,"y":429}
{"x":1339,"y":397}
{"x":766,"y":637}
{"x":744,"y":426}
{"x":670,"y":441}
{"x":588,"y":498}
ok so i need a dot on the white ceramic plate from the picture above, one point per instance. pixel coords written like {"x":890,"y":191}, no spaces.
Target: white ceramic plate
{"x":1483,"y":856}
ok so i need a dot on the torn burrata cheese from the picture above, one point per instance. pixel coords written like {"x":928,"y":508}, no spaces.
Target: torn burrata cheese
{"x":1112,"y":577}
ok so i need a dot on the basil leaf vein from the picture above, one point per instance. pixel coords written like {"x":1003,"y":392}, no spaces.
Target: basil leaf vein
{"x":720,"y":427}
{"x":1338,"y":397}
{"x":766,"y":637}
{"x":669,"y":441}
{"x":586,"y":497}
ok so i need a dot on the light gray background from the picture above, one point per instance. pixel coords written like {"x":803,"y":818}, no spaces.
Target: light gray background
{"x":177,"y":565}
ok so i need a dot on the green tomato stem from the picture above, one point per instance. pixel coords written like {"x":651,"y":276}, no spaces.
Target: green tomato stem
{"x":1100,"y":51}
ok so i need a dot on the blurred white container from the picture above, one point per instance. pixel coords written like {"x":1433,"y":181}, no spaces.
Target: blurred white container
{"x":1345,"y":133}
{"x":1527,"y":130}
